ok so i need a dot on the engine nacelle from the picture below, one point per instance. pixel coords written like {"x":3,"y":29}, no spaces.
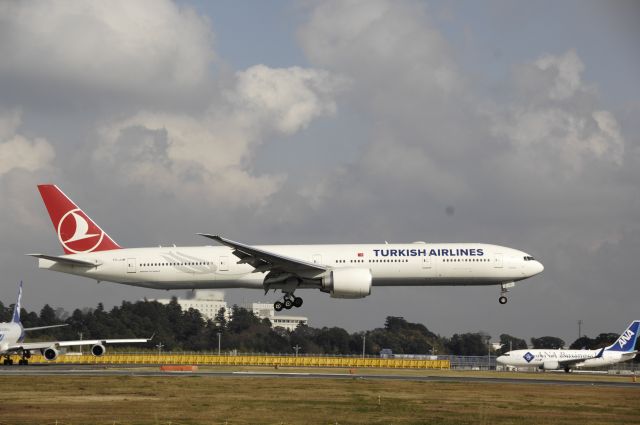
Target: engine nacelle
{"x":98,"y":350}
{"x":50,"y":353}
{"x":348,"y":283}
{"x":551,"y":365}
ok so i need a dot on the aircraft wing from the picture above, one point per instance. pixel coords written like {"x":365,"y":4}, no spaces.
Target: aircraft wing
{"x":65,"y":260}
{"x":101,"y":341}
{"x":57,"y":344}
{"x":570,"y":362}
{"x":264,"y":261}
{"x":38,"y":328}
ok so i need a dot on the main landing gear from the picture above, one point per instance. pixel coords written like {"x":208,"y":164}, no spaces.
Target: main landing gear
{"x":288,"y":302}
{"x":26,"y":355}
{"x":8,"y":361}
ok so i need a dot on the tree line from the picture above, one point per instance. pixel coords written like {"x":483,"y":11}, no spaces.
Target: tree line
{"x":187,"y":330}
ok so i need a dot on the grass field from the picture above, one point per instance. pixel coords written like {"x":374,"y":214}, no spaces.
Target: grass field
{"x":230,"y":400}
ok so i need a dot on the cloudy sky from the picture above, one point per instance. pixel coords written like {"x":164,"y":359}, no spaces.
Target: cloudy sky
{"x":335,"y":122}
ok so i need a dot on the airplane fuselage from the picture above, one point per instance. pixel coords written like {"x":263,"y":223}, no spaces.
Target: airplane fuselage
{"x":10,"y":333}
{"x":551,"y":359}
{"x":410,"y":264}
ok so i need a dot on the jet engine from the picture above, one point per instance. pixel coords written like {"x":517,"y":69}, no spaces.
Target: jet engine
{"x":348,"y":283}
{"x":50,"y":353}
{"x":551,"y":365}
{"x":98,"y":350}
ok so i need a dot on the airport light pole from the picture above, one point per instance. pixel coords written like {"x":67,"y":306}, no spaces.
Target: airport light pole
{"x":364,"y":343}
{"x":159,"y":346}
{"x":579,"y":328}
{"x":219,"y":339}
{"x":297,"y":347}
{"x":489,"y":353}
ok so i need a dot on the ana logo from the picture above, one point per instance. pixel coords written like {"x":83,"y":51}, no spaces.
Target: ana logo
{"x":77,"y":234}
{"x":528,"y":357}
{"x":625,"y":338}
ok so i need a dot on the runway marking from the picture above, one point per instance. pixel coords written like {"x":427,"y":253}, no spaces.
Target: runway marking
{"x":44,"y":371}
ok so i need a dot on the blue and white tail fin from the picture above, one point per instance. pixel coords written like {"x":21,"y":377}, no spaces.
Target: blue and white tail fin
{"x":16,"y":308}
{"x":626,"y":342}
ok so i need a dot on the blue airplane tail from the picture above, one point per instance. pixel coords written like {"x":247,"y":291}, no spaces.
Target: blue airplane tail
{"x":16,"y":308}
{"x":626,"y":342}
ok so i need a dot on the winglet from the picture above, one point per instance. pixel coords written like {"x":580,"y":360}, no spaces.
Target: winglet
{"x":16,"y":308}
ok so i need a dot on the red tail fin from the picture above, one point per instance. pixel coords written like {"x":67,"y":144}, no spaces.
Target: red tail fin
{"x":76,"y":231}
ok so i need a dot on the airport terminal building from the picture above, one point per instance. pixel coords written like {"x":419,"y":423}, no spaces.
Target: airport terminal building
{"x":209,"y":302}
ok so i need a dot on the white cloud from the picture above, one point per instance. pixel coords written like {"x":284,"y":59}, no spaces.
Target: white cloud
{"x":121,"y":46}
{"x":289,"y":97}
{"x":405,"y":86}
{"x":18,"y":151}
{"x":566,"y":70}
{"x":561,"y":127}
{"x":210,"y":156}
{"x":382,"y":40}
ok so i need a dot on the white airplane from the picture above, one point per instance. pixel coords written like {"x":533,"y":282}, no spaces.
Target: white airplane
{"x":343,"y":271}
{"x":12,"y":335}
{"x":621,"y":350}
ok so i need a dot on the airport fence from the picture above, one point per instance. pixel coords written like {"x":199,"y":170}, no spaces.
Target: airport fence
{"x":406,"y":361}
{"x":243,"y":360}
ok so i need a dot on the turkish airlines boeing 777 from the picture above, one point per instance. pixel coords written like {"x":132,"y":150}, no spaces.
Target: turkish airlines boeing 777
{"x":343,"y":271}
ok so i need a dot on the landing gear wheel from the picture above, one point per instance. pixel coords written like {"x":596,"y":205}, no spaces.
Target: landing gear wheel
{"x":297,"y":302}
{"x":288,"y":303}
{"x":277,"y":306}
{"x":502,"y":300}
{"x":567,"y":369}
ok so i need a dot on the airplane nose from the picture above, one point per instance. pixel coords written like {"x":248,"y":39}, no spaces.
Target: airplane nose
{"x":500,"y":359}
{"x":539,"y":267}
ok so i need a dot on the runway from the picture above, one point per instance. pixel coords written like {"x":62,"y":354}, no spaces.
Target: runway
{"x":66,"y":370}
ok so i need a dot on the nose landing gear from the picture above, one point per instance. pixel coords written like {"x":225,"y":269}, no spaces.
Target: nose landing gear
{"x":288,"y":302}
{"x":504,"y":288}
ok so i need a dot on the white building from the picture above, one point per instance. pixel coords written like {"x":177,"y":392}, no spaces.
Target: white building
{"x":266,"y":311}
{"x":207,"y":302}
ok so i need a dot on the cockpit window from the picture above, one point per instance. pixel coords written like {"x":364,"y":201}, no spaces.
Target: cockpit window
{"x":529,"y":258}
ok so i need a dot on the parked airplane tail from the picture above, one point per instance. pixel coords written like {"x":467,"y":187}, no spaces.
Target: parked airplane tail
{"x":626,"y":342}
{"x":76,"y":231}
{"x":16,"y":308}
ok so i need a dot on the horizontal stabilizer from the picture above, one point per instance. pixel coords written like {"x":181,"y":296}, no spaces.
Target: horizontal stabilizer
{"x":66,"y":260}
